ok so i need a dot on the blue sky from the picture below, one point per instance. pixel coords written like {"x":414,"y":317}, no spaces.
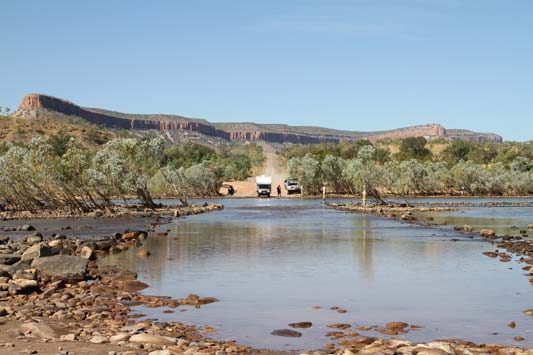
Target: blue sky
{"x":358,"y":65}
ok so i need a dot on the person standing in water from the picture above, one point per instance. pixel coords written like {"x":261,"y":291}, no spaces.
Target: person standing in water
{"x":279,"y":191}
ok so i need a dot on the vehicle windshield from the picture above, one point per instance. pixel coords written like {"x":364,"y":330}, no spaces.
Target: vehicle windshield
{"x":293,"y":183}
{"x":263,"y":186}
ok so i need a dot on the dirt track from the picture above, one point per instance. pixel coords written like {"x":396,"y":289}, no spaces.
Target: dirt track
{"x":271,"y":168}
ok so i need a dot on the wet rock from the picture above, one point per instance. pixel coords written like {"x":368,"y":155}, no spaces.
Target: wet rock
{"x":40,"y":330}
{"x":144,"y":338}
{"x":528,"y":312}
{"x":62,"y":266}
{"x":9,"y":259}
{"x":511,"y":324}
{"x":133,"y":285}
{"x":133,"y":235}
{"x":487,"y":233}
{"x":339,"y":326}
{"x":286,"y":333}
{"x":302,"y":325}
{"x":490,"y":254}
{"x":396,"y":325}
{"x":26,"y":228}
{"x":519,"y":338}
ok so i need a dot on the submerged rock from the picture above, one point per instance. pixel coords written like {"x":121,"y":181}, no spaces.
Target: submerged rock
{"x":302,"y":325}
{"x":286,"y":333}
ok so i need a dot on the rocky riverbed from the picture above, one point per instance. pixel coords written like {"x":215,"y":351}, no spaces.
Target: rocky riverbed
{"x":57,"y":298}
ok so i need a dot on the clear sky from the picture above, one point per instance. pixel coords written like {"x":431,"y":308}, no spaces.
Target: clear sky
{"x":358,"y":65}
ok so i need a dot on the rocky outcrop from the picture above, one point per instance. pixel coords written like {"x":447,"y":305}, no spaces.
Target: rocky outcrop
{"x":33,"y":104}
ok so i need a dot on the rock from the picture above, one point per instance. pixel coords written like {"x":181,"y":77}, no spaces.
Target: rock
{"x":119,"y":337}
{"x":4,"y":239}
{"x":530,"y":227}
{"x":408,"y":217}
{"x":519,"y":338}
{"x":286,"y":333}
{"x":133,"y":285}
{"x":54,"y":243}
{"x":27,"y":285}
{"x":528,"y":312}
{"x":144,"y":338}
{"x":86,"y":252}
{"x":32,"y":239}
{"x":3,"y":312}
{"x":9,"y":259}
{"x":37,"y":251}
{"x":40,"y":330}
{"x":68,"y":337}
{"x":301,"y":325}
{"x":487,"y":233}
{"x":62,"y":266}
{"x":396,"y":325}
{"x":98,"y":339}
{"x":27,"y":228}
{"x":133,"y":235}
{"x":490,"y":254}
{"x":143,"y":253}
{"x":467,"y":228}
{"x":162,"y":352}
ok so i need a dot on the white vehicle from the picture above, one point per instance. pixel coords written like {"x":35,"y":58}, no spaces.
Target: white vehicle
{"x":263,"y":185}
{"x":292,"y":186}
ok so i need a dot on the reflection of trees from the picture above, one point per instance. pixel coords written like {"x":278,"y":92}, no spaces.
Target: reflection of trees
{"x":362,"y":245}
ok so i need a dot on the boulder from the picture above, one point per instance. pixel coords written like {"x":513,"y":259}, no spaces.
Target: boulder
{"x":144,"y":338}
{"x":4,"y":239}
{"x":62,"y":266}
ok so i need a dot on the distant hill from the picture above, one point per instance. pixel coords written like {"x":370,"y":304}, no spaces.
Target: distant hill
{"x":36,"y":106}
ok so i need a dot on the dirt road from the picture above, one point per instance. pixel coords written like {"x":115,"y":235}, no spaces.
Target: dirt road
{"x":271,"y":167}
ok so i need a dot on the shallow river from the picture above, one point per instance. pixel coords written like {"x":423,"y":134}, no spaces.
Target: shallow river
{"x":269,"y":262}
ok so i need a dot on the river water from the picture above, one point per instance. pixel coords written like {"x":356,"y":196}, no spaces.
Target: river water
{"x":270,"y":262}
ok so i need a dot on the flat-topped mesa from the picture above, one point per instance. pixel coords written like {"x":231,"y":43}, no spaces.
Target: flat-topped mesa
{"x":430,"y":131}
{"x":36,"y":102}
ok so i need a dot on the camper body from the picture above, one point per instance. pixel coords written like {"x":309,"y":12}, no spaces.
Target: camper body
{"x":263,"y":185}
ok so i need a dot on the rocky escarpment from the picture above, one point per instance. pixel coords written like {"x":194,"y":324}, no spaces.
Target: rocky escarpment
{"x":33,"y":105}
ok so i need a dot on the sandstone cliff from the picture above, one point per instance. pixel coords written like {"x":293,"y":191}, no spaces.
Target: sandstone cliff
{"x":33,"y":105}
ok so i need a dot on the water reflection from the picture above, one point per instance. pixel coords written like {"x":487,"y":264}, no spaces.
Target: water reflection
{"x":271,"y":261}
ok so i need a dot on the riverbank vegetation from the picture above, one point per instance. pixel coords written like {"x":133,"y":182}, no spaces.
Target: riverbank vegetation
{"x":414,"y":168}
{"x":60,"y":173}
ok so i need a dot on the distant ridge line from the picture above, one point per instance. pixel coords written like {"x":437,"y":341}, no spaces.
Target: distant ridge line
{"x":32,"y":104}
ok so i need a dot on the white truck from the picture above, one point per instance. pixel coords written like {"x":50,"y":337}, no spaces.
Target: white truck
{"x":263,"y":185}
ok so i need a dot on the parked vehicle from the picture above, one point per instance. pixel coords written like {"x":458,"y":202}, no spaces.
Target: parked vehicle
{"x":292,"y":186}
{"x":263,"y":185}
